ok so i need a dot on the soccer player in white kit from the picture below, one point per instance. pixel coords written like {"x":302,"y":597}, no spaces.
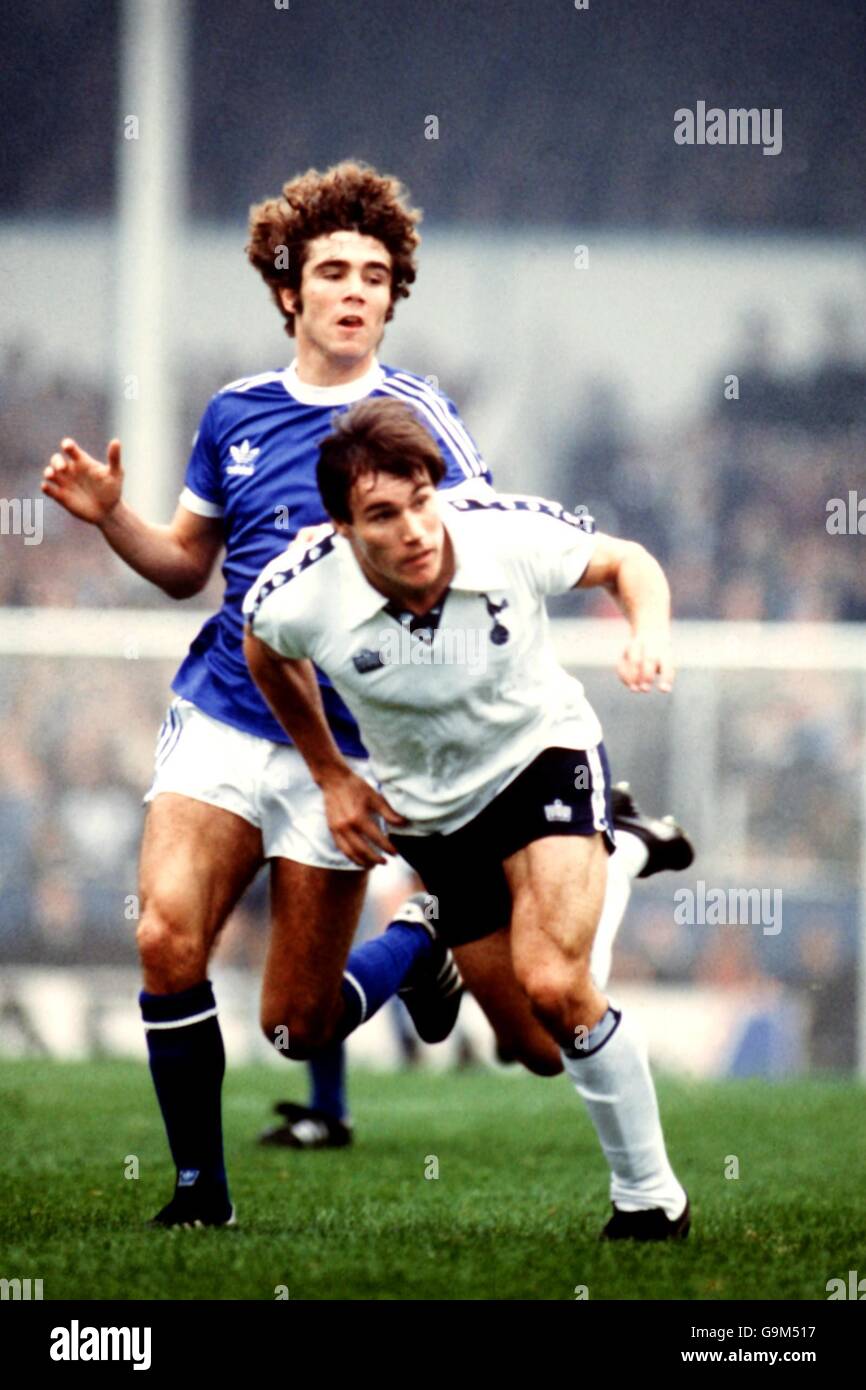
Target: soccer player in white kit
{"x":427,"y":613}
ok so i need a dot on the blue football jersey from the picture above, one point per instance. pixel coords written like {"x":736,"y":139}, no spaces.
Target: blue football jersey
{"x":253,"y":464}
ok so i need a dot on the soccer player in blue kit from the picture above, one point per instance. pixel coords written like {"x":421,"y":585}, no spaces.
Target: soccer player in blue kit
{"x":230,"y":791}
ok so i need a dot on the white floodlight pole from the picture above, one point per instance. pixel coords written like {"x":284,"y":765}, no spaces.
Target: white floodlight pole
{"x":861,"y":944}
{"x":151,"y":181}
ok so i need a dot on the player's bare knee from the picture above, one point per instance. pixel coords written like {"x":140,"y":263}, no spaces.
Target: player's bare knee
{"x":284,"y":1038}
{"x":171,"y":958}
{"x":562,"y":997}
{"x":297,"y":1034}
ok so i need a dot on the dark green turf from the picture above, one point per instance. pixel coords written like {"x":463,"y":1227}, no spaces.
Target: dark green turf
{"x":514,"y":1214}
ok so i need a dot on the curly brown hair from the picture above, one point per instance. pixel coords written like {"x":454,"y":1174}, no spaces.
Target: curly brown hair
{"x":348,"y":196}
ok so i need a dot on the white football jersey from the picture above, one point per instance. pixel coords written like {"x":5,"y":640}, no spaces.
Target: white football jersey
{"x":452,"y":706}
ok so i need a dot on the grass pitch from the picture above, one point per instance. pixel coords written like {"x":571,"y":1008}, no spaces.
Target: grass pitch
{"x":514,"y":1213}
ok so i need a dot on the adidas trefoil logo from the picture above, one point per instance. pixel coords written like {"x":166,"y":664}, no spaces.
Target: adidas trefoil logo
{"x":244,"y":457}
{"x":558,"y":811}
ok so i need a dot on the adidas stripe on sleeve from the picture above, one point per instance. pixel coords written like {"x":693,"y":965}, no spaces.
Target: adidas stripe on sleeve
{"x":203,"y":490}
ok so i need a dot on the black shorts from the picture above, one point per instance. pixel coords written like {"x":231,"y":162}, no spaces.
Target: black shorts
{"x":563,"y":792}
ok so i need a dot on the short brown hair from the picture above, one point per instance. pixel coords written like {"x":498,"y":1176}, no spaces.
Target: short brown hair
{"x":374,"y":436}
{"x":347,"y":197}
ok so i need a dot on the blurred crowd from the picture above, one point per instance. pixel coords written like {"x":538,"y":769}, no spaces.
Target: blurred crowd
{"x":542,"y":113}
{"x":736,"y":506}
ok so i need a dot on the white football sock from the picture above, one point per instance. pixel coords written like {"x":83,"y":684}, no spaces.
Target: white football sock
{"x":617,"y":1089}
{"x":616,"y":896}
{"x":633,"y":850}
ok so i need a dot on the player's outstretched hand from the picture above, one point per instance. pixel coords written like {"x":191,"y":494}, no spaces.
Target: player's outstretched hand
{"x":84,"y":486}
{"x":354,"y":810}
{"x":646,"y":662}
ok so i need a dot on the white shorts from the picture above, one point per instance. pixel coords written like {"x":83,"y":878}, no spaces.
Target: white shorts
{"x":267,"y":784}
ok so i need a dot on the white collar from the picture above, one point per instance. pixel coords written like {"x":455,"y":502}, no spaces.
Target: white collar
{"x":332,"y":395}
{"x":475,"y":568}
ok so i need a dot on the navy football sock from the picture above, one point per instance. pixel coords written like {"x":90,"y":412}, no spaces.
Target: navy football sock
{"x":328,"y":1081}
{"x":187,"y":1063}
{"x":377,"y":969}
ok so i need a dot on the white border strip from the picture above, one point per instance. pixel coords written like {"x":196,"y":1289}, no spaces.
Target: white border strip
{"x":361,"y":995}
{"x":180,"y":1022}
{"x":599,"y":807}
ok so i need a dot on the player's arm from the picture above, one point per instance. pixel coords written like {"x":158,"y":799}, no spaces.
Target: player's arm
{"x":352,"y":806}
{"x":178,"y":558}
{"x":637,"y":583}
